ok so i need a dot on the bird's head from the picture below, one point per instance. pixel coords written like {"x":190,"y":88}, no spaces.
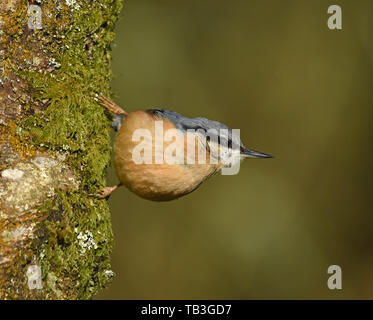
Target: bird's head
{"x":222,"y":142}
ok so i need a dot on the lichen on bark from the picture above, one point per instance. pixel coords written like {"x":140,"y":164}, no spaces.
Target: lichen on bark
{"x":54,"y":148}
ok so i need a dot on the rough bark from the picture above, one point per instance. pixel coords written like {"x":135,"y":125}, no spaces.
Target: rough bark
{"x":54,"y":148}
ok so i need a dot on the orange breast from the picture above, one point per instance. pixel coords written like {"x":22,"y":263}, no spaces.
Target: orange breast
{"x":154,"y":181}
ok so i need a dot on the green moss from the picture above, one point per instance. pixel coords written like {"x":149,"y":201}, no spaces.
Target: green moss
{"x":73,"y":66}
{"x":74,"y":121}
{"x":79,"y":262}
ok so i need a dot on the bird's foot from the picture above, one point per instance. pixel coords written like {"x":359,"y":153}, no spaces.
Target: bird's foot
{"x":105,"y":192}
{"x":112,"y":106}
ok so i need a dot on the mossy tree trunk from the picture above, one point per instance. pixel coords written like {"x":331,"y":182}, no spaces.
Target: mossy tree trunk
{"x":55,"y":240}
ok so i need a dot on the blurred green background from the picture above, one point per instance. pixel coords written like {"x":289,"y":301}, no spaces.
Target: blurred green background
{"x":298,"y":91}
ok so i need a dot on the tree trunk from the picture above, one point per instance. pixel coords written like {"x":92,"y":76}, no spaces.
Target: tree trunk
{"x":55,"y":240}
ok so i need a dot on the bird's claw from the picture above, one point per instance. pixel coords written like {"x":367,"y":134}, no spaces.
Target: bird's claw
{"x":102,"y":194}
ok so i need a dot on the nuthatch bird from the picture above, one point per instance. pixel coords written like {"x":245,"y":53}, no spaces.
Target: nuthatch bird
{"x":160,"y":180}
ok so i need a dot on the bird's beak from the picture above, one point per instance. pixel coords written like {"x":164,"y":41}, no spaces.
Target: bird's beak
{"x":253,"y":154}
